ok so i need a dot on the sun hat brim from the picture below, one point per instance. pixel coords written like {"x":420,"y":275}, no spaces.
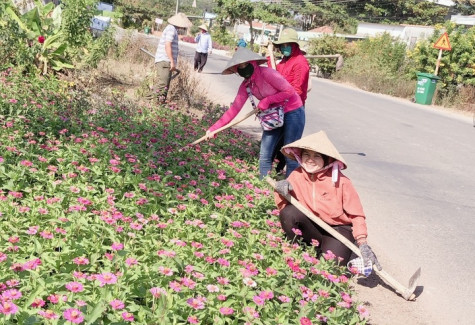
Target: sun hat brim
{"x":242,"y":55}
{"x":203,"y":27}
{"x":317,"y":142}
{"x":180,"y":20}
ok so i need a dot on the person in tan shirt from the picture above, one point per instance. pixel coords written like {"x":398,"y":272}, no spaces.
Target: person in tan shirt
{"x":320,"y":186}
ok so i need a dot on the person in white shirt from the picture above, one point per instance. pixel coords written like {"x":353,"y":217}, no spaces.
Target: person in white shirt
{"x":166,"y":56}
{"x":203,"y":48}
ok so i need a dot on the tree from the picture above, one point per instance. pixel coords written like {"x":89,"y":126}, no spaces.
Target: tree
{"x":236,"y":11}
{"x":398,"y":11}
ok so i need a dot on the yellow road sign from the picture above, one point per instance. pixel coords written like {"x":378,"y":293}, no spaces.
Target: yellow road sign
{"x":443,"y":43}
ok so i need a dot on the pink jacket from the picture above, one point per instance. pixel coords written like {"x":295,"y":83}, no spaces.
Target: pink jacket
{"x":336,"y":205}
{"x":269,"y":87}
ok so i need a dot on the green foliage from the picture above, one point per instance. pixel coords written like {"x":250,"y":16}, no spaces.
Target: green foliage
{"x":328,"y":45}
{"x":77,"y":16}
{"x":49,"y":38}
{"x":457,"y":67}
{"x":223,"y":37}
{"x":379,"y":65}
{"x":383,"y":51}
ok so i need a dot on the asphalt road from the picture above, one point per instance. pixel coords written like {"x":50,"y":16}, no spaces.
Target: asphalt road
{"x":413,"y":166}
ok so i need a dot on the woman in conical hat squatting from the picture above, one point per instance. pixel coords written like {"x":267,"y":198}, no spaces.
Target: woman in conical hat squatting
{"x":320,"y":186}
{"x":271,"y":89}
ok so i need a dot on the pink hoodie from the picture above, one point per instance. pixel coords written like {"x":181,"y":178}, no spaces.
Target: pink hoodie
{"x":269,"y":87}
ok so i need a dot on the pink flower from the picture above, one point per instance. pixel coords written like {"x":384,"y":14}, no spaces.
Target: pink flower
{"x":8,"y":308}
{"x":197,"y":303}
{"x":305,"y":321}
{"x":226,"y":310}
{"x":41,"y":39}
{"x":267,"y":295}
{"x":117,"y":246}
{"x":297,"y":231}
{"x":106,"y":278}
{"x":81,"y":260}
{"x":258,"y":300}
{"x":363,"y":311}
{"x":73,"y":315}
{"x":128,"y":317}
{"x":212,"y":288}
{"x":117,"y":304}
{"x":48,"y":314}
{"x":165,"y":270}
{"x":193,"y":320}
{"x":74,"y":287}
{"x":38,"y":302}
{"x":157,"y":292}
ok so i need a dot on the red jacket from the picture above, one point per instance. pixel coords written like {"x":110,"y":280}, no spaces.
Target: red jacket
{"x":295,"y":70}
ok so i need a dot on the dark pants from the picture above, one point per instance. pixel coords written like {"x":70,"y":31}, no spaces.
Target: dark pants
{"x":291,"y":217}
{"x":278,"y":155}
{"x":200,"y":60}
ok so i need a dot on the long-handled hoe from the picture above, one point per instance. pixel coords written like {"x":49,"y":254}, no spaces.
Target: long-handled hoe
{"x":211,"y":134}
{"x":406,"y":292}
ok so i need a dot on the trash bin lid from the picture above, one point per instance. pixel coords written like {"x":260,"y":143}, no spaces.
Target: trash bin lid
{"x":427,"y":75}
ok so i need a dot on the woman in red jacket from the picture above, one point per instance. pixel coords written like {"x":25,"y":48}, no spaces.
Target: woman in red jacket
{"x":295,"y":68}
{"x":319,"y":186}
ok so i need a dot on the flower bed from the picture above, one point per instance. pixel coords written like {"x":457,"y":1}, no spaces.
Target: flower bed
{"x":105,"y":221}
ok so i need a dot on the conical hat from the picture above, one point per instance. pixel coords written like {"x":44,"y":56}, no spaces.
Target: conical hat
{"x":318,"y":142}
{"x":242,"y":55}
{"x":180,"y":20}
{"x":203,"y":27}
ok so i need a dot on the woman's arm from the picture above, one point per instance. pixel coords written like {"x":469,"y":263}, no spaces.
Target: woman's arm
{"x":232,"y":111}
{"x":283,"y":89}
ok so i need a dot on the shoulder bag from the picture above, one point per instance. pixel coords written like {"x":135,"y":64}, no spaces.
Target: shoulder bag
{"x":271,"y":118}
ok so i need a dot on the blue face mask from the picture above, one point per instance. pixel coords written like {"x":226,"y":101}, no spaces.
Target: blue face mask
{"x":286,"y":50}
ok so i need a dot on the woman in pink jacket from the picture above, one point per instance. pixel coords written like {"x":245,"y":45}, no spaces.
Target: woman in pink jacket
{"x":319,"y":186}
{"x":271,"y":89}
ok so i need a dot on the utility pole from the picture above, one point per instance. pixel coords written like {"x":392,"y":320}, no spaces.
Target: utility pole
{"x":176,"y":10}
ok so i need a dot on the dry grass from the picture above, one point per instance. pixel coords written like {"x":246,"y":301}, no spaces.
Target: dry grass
{"x":128,"y":74}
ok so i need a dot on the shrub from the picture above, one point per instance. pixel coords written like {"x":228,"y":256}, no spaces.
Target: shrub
{"x":327,"y":45}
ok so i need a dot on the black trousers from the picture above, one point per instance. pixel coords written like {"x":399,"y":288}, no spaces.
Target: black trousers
{"x":291,"y":217}
{"x":200,"y":60}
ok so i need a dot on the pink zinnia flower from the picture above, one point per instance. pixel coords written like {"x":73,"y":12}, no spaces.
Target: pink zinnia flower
{"x":117,"y":304}
{"x":74,"y":287}
{"x":73,"y":315}
{"x":305,"y":321}
{"x":226,"y":310}
{"x":117,"y":246}
{"x":8,"y":308}
{"x":106,"y":278}
{"x":193,"y":320}
{"x":81,"y":260}
{"x":258,"y":300}
{"x":297,"y":231}
{"x":157,"y":292}
{"x":48,"y":314}
{"x":38,"y":302}
{"x":212,"y":288}
{"x":363,"y":311}
{"x":128,"y":317}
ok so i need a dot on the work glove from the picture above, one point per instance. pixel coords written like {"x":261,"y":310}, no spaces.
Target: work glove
{"x":368,"y":255}
{"x":283,"y":187}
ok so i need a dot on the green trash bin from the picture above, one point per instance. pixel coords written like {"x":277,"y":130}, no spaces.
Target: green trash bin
{"x":425,"y":88}
{"x":147,"y":30}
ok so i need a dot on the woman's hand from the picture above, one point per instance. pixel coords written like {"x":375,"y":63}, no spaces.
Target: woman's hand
{"x":368,"y":255}
{"x":283,"y":187}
